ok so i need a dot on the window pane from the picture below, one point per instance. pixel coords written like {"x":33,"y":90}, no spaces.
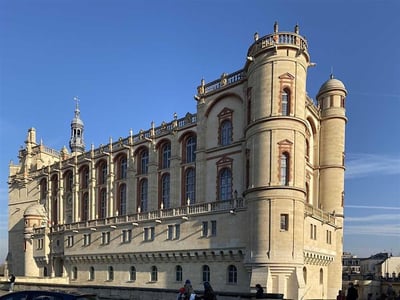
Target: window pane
{"x":226,"y":133}
{"x":225,"y":184}
{"x":190,"y":186}
{"x":165,"y":185}
{"x":190,"y":149}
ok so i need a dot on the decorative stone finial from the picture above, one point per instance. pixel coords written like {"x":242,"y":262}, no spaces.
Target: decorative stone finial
{"x":276,"y":26}
{"x":256,"y":37}
{"x":296,"y":29}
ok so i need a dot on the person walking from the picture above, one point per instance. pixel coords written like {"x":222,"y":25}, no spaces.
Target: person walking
{"x":259,"y":291}
{"x":352,"y":293}
{"x":12,"y":282}
{"x":209,"y":293}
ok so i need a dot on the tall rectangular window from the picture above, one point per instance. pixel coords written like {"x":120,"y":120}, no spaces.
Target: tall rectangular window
{"x":329,"y":237}
{"x":313,"y":232}
{"x":105,"y":238}
{"x":70,"y":241}
{"x":86,"y":239}
{"x":126,"y":235}
{"x":148,"y":234}
{"x":170,"y":232}
{"x":177,"y":231}
{"x":204,"y":231}
{"x":213,"y":228}
{"x":284,"y":222}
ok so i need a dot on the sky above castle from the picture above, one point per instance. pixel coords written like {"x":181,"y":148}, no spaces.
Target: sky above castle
{"x":134,"y":62}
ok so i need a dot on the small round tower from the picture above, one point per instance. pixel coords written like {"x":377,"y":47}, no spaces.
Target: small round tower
{"x":35,"y":216}
{"x":331,"y":100}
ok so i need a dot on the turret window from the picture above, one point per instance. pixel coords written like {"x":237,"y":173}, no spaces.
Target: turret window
{"x":284,"y":167}
{"x":285,"y":102}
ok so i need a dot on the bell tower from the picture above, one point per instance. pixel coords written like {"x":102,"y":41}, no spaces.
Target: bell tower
{"x":76,"y":142}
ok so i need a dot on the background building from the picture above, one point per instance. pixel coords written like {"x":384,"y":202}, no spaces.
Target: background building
{"x":249,"y":189}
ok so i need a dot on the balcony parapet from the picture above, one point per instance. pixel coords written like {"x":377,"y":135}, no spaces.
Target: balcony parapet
{"x":277,"y":39}
{"x":186,"y":211}
{"x":319,"y":214}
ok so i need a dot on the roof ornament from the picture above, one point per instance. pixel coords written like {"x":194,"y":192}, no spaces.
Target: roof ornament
{"x":296,"y":29}
{"x":276,"y":26}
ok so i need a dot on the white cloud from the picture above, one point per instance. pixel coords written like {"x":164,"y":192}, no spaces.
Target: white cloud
{"x":374,"y":230}
{"x":374,"y":207}
{"x":381,"y":218}
{"x":365,"y":164}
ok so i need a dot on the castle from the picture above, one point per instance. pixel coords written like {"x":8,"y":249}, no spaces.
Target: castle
{"x":247,"y":190}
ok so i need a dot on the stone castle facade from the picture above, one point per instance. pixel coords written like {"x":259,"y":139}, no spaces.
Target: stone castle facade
{"x":248,"y":189}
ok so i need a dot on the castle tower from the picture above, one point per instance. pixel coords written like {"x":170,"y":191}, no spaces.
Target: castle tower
{"x":276,"y":138}
{"x":331,"y":100}
{"x":76,"y":143}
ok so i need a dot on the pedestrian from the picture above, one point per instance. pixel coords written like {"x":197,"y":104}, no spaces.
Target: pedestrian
{"x":209,"y":293}
{"x":340,"y":295}
{"x":181,"y":294}
{"x":259,"y":291}
{"x":12,"y":282}
{"x":352,"y":293}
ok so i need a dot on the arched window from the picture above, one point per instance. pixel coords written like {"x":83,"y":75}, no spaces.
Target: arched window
{"x":154,"y":274}
{"x":166,"y":156}
{"x":91,"y":273}
{"x":144,"y":162}
{"x":190,"y":147}
{"x":232,"y":274}
{"x":143,"y":185}
{"x":225,"y":133}
{"x":122,"y":200}
{"x":132,"y":273}
{"x":284,"y":161}
{"x":84,"y":176}
{"x":43,"y":190}
{"x":110,"y":275}
{"x":54,"y":198}
{"x":305,"y":275}
{"x":206,"y":273}
{"x":102,"y":212}
{"x":122,"y":167}
{"x":190,"y":185}
{"x":178,"y":273}
{"x":74,"y":274}
{"x":68,"y":181}
{"x":102,"y":172}
{"x":85,"y":207}
{"x":225,"y":184}
{"x":165,"y":190}
{"x":285,"y":102}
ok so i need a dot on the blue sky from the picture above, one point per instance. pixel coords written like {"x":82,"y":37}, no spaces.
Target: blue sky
{"x":132,"y":62}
